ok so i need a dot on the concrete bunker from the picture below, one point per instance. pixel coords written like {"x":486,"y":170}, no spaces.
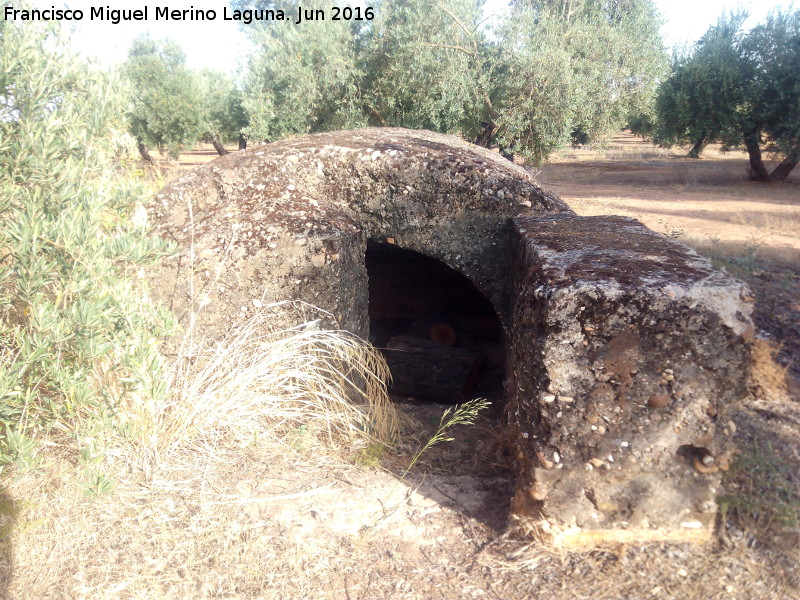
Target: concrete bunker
{"x":623,"y":348}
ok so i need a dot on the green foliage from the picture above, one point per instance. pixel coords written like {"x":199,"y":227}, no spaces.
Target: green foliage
{"x":740,"y":89}
{"x":223,"y":117}
{"x":697,"y":103}
{"x":18,"y":451}
{"x":762,"y":487}
{"x":426,"y":66}
{"x":304,"y":78}
{"x":76,"y":332}
{"x":98,"y":484}
{"x":772,"y":52}
{"x":371,"y":456}
{"x":543,"y":74}
{"x":166,"y":104}
{"x":574,"y":67}
{"x":642,"y":124}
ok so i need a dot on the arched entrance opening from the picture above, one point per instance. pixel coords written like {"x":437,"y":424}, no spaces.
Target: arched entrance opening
{"x":441,"y":336}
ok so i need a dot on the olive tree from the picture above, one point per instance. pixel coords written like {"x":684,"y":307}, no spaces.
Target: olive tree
{"x":426,"y":66}
{"x":694,"y":105}
{"x":303,"y":78}
{"x":165,"y":107}
{"x":222,"y":117}
{"x":574,"y":68}
{"x":549,"y":69}
{"x":771,"y":52}
{"x":739,"y":88}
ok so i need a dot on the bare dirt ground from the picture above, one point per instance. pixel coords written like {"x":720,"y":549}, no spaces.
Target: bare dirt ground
{"x":256,"y":523}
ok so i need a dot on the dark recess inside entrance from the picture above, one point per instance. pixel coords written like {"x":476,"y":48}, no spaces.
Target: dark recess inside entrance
{"x":439,"y":333}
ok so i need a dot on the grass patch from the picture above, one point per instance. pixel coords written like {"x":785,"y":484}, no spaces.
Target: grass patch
{"x":371,"y":456}
{"x":741,"y":263}
{"x":768,"y":490}
{"x":635,"y":153}
{"x":763,"y":485}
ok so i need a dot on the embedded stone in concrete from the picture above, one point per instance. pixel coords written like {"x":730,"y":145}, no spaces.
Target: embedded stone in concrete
{"x":627,"y":348}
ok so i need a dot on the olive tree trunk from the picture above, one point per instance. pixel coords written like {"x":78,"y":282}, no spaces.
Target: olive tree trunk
{"x":782,"y":171}
{"x":698,"y":147}
{"x":218,"y":146}
{"x":758,"y":172}
{"x":144,"y":153}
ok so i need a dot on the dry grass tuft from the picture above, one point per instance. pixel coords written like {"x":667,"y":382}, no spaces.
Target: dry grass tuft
{"x":264,"y":381}
{"x":636,"y":153}
{"x":186,"y":535}
{"x":768,"y":375}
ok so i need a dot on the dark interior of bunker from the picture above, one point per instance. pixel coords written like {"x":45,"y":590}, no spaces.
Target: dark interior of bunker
{"x":440,"y":335}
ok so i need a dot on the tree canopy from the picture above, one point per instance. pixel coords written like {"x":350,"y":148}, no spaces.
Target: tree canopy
{"x":772,"y":54}
{"x":738,"y":88}
{"x":165,"y":109}
{"x":303,"y":78}
{"x":425,"y":66}
{"x":550,"y":69}
{"x":575,"y":67}
{"x":222,"y":114}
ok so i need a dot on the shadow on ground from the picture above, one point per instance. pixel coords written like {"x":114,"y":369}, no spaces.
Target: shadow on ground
{"x":471,"y":472}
